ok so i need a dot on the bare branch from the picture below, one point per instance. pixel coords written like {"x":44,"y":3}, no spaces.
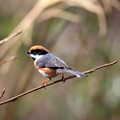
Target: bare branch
{"x":102,"y":66}
{"x":2,"y":93}
{"x":54,"y":82}
{"x":13,"y":35}
{"x":9,"y":59}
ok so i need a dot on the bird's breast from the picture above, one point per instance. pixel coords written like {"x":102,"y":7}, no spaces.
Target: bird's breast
{"x":48,"y":72}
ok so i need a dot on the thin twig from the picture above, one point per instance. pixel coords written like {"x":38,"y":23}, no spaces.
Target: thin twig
{"x":2,"y":93}
{"x":51,"y":83}
{"x":13,"y":35}
{"x":105,"y":65}
{"x":9,"y":59}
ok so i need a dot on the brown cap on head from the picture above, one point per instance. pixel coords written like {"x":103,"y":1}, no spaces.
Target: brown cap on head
{"x":38,"y":47}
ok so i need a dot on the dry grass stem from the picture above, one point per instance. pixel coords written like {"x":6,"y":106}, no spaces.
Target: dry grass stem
{"x":8,"y":38}
{"x":59,"y":13}
{"x":2,"y":93}
{"x":9,"y":59}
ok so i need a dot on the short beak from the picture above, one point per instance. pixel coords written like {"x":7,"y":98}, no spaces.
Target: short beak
{"x":28,"y":52}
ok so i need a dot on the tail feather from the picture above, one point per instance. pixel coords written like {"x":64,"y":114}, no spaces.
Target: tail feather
{"x":78,"y":74}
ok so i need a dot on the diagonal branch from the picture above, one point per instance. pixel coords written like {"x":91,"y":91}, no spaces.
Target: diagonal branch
{"x":54,"y":82}
{"x":99,"y":67}
{"x":9,"y":59}
{"x":13,"y":35}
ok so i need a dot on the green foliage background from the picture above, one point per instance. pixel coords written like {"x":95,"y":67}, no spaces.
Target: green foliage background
{"x":85,"y":34}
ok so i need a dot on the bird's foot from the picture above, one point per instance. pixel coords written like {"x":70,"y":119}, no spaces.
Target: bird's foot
{"x":63,"y":78}
{"x":44,"y":83}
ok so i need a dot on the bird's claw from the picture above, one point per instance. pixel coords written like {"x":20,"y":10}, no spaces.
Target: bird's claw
{"x":44,"y":85}
{"x":63,"y":78}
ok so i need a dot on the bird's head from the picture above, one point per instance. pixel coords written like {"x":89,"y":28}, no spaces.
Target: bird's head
{"x":37,"y":52}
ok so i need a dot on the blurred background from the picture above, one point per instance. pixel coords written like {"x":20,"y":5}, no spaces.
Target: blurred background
{"x":85,"y":34}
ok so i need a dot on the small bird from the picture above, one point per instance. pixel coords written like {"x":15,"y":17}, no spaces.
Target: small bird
{"x":49,"y":65}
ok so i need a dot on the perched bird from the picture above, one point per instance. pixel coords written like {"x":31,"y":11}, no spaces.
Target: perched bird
{"x":49,"y":65}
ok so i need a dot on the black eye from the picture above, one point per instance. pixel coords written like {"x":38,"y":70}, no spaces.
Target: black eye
{"x":39,"y":52}
{"x":34,"y":52}
{"x":42,"y":52}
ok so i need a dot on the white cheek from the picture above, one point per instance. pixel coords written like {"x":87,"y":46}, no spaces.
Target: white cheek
{"x":36,"y":56}
{"x":33,"y":56}
{"x":39,"y":56}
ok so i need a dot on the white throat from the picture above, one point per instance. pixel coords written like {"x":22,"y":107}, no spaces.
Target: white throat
{"x":36,"y":57}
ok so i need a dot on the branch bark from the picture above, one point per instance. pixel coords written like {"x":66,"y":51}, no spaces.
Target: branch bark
{"x":54,"y":82}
